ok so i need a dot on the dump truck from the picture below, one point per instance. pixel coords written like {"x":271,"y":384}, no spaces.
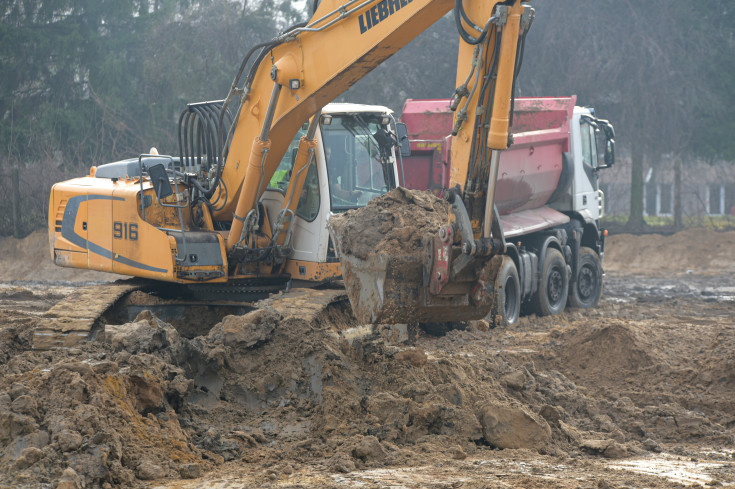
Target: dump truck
{"x":548,"y":196}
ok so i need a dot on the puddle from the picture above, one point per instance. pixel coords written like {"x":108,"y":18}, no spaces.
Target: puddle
{"x":679,"y":468}
{"x":712,"y":467}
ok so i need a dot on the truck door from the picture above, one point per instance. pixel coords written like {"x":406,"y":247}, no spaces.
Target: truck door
{"x":587,"y":198}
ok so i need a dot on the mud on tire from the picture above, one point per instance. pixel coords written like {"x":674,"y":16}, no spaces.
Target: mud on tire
{"x":586,"y":290}
{"x":507,"y":293}
{"x":553,"y":290}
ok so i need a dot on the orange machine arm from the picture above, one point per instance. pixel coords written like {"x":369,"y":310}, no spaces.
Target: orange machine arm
{"x":308,"y":67}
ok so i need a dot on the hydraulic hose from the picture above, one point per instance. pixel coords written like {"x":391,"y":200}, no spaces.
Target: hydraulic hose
{"x":460,"y":14}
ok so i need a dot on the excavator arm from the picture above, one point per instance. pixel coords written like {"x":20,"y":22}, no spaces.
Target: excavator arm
{"x":449,"y":280}
{"x":305,"y":68}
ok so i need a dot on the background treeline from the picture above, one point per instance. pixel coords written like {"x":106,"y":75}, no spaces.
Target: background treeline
{"x":83,"y":82}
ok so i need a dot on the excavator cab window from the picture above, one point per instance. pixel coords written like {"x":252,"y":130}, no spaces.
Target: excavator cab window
{"x":353,"y":161}
{"x":308,"y":207}
{"x":279,"y":180}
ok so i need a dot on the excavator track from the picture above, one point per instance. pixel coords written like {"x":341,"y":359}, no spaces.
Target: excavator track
{"x":71,"y":321}
{"x":82,"y":315}
{"x":305,"y":304}
{"x":240,"y":290}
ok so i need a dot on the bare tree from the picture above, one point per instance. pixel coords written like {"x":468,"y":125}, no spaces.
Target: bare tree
{"x":639,"y":63}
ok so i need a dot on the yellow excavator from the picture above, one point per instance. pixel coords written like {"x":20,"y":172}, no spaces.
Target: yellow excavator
{"x":245,"y":205}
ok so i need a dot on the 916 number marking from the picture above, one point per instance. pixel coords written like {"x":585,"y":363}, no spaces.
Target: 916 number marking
{"x":125,"y":230}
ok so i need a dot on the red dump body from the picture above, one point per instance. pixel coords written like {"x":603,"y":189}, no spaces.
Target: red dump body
{"x":529,"y":169}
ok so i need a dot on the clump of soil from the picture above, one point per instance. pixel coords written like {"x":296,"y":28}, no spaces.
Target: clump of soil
{"x":393,"y":224}
{"x":104,"y":413}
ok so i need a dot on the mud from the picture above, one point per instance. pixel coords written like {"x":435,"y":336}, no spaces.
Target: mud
{"x":394,"y":224}
{"x":297,"y":393}
{"x":383,"y":249}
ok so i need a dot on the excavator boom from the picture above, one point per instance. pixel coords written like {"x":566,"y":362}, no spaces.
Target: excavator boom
{"x":305,"y":69}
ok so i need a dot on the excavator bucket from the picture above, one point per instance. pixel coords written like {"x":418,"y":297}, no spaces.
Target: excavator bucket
{"x":386,"y":250}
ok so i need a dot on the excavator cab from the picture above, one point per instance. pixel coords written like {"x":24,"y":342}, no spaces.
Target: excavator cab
{"x":346,"y":173}
{"x":356,"y":169}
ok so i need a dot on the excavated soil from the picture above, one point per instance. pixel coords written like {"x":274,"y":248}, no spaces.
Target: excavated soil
{"x":383,"y":248}
{"x":396,"y":223}
{"x":637,"y":392}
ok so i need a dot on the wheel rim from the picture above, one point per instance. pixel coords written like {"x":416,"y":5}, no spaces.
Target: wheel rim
{"x":555,"y":286}
{"x":586,"y":283}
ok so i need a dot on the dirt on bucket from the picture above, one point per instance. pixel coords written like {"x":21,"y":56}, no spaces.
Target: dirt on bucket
{"x":386,"y":250}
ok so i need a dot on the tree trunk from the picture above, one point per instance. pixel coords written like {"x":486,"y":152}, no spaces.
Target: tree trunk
{"x":678,"y":219}
{"x":635,"y":218}
{"x":15,"y":179}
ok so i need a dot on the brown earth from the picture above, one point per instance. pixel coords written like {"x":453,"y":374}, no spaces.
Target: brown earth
{"x":297,"y":394}
{"x":29,"y":259}
{"x":396,"y":223}
{"x":698,"y":250}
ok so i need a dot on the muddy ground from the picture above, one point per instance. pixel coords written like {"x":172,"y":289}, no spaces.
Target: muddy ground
{"x":637,"y":392}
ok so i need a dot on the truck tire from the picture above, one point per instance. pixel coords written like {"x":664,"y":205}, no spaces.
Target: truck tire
{"x":508,"y":292}
{"x":553,"y":288}
{"x":586,"y":290}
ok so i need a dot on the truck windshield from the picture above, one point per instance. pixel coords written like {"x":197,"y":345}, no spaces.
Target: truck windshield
{"x":353,"y":160}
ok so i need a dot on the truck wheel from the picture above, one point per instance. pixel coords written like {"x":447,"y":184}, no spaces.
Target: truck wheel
{"x":508,"y":292}
{"x":553,"y":289}
{"x":586,"y":290}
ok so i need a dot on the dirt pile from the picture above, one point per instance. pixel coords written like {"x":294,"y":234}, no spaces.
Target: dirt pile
{"x":104,"y":413}
{"x":29,"y":259}
{"x":296,"y":380}
{"x":392,"y":224}
{"x":697,"y":250}
{"x":656,"y":374}
{"x":362,"y":396}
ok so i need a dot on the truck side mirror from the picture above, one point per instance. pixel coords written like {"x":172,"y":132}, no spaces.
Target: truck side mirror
{"x":159,"y":180}
{"x":609,"y":131}
{"x":609,"y":153}
{"x":402,"y":136}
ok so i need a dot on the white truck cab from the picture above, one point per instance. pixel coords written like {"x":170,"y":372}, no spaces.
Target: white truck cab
{"x":593,"y":148}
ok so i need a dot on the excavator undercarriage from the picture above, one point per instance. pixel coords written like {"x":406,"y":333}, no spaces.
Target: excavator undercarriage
{"x":84,"y":314}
